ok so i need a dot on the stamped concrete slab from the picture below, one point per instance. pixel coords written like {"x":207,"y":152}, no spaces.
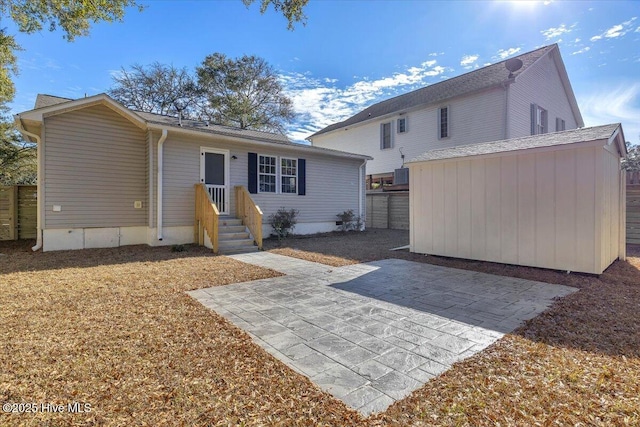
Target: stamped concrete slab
{"x":372,"y":333}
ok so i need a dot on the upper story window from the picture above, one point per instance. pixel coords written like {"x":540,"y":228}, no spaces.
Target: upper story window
{"x":288,"y":175}
{"x":402,"y":125}
{"x":560,"y":125}
{"x":443,"y":122}
{"x":538,"y":120}
{"x":267,"y":174}
{"x":385,"y":136}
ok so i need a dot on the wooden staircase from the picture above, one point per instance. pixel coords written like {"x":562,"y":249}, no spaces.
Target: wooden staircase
{"x":228,"y":235}
{"x":234,"y":237}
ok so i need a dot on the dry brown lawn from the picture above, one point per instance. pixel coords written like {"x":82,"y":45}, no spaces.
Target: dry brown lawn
{"x":115,"y":329}
{"x":576,"y":364}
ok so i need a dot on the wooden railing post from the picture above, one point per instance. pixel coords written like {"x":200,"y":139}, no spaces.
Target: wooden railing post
{"x":206,"y":217}
{"x":250,"y":214}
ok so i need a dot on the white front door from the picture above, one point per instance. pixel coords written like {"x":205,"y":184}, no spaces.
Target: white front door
{"x":214,"y":174}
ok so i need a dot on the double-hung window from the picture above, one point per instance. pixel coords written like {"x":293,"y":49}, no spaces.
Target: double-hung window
{"x":538,"y":120}
{"x":402,"y":125}
{"x":267,"y":174}
{"x":288,"y":175}
{"x":385,"y":136}
{"x":443,"y":122}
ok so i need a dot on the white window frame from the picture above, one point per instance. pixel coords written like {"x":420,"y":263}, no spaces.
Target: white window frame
{"x":540,"y":120}
{"x":448,"y":123}
{"x":382,"y":125}
{"x":398,"y":127}
{"x":275,"y":175}
{"x":283,"y":175}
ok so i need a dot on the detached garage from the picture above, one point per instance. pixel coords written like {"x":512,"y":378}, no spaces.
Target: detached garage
{"x":554,"y":201}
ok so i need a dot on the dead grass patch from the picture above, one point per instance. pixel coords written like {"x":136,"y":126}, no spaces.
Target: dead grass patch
{"x":114,"y":328}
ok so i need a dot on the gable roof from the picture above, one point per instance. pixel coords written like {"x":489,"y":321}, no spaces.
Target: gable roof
{"x":44,"y":100}
{"x":473,"y":81}
{"x":609,"y":132}
{"x":48,"y":105}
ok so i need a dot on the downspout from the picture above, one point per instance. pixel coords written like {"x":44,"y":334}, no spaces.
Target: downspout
{"x":360,"y":192}
{"x":39,"y":189}
{"x":505,"y":131}
{"x":160,"y":151}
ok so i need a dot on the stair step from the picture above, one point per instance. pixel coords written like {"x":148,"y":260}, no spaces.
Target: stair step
{"x":232,"y":229}
{"x":240,"y":250}
{"x":234,"y":243}
{"x":225,"y":236}
{"x":223,"y":222}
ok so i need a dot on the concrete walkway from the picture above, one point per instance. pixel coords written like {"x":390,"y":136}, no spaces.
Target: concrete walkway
{"x":372,"y":333}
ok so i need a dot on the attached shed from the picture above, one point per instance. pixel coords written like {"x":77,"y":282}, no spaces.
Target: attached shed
{"x":553,"y":201}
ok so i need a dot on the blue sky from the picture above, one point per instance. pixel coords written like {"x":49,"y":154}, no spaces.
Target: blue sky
{"x":352,"y":54}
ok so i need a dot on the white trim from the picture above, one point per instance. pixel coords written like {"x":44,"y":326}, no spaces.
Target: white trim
{"x":226,"y":154}
{"x":382,"y":124}
{"x":279,"y":172}
{"x":160,"y":175}
{"x":277,"y":167}
{"x":406,"y":124}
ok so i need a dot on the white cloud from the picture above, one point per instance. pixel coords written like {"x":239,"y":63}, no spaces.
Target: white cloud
{"x":637,"y":30}
{"x":583,"y":50}
{"x":503,"y":54}
{"x":467,"y":61}
{"x":612,"y":104}
{"x":552,"y":32}
{"x":319,"y":102}
{"x":616,"y":31}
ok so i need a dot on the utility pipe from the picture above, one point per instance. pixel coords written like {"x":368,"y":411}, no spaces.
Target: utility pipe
{"x":160,"y":151}
{"x":40,"y":184}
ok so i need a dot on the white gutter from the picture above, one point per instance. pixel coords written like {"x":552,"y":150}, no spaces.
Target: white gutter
{"x":360,"y":192}
{"x":160,"y":151}
{"x":40,"y":184}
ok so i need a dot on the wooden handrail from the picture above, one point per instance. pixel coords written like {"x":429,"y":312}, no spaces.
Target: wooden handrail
{"x":207,"y":215}
{"x":249,"y":213}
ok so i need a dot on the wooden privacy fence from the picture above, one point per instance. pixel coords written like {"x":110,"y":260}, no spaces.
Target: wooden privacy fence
{"x":388,"y":210}
{"x":633,"y":207}
{"x":18,"y":210}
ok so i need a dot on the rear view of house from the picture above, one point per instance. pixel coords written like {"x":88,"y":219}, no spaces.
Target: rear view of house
{"x":109,"y":176}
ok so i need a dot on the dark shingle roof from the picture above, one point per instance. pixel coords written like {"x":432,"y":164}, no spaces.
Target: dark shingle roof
{"x":467,"y":83}
{"x":45,"y":101}
{"x":212,"y":128}
{"x":536,"y":141}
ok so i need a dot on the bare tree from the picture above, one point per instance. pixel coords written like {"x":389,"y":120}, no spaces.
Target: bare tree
{"x":156,"y":88}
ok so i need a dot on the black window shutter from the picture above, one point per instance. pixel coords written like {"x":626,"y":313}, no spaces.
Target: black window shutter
{"x":302,"y":177}
{"x":253,"y":173}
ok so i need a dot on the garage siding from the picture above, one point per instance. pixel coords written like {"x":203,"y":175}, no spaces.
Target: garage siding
{"x":550,"y":208}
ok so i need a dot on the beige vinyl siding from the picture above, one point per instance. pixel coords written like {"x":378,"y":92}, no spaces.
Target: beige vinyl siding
{"x":331,"y":182}
{"x":472,"y":119}
{"x":539,"y":84}
{"x":95,"y":170}
{"x":554,"y":209}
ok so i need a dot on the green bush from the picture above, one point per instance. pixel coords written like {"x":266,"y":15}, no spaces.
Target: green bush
{"x":349,"y":221}
{"x":283,"y":222}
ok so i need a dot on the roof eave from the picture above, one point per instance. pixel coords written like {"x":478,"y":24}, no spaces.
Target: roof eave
{"x":254,"y":141}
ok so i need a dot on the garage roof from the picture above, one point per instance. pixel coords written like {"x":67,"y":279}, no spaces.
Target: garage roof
{"x":574,"y":136}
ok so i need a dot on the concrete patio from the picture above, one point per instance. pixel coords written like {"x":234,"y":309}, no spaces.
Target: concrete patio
{"x":372,"y":333}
